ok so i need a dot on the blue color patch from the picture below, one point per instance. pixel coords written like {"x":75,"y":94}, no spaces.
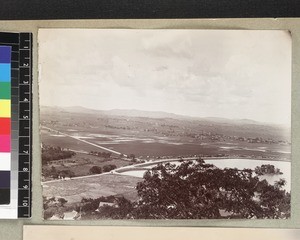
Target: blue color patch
{"x":5,"y":72}
{"x":5,"y":54}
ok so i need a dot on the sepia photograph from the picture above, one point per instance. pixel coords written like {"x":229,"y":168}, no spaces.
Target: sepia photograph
{"x":165,"y":124}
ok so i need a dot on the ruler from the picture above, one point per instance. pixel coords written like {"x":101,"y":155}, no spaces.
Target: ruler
{"x":21,"y":121}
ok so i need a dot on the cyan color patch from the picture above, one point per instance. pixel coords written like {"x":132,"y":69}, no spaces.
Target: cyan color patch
{"x":5,"y":70}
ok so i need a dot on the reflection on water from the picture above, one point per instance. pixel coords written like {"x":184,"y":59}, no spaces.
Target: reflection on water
{"x":163,"y":143}
{"x":285,"y":168}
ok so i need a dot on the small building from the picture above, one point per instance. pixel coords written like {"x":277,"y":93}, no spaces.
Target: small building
{"x":102,"y":204}
{"x":74,"y":215}
{"x":56,"y":217}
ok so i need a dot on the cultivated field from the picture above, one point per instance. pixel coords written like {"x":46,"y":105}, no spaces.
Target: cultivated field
{"x":167,"y":146}
{"x":147,"y":139}
{"x":81,"y":163}
{"x":92,"y":187}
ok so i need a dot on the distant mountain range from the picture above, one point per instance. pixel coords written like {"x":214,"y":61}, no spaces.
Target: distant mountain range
{"x":155,"y":114}
{"x":118,"y":112}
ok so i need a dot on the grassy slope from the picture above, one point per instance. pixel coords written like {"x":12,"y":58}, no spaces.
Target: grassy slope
{"x":93,"y":187}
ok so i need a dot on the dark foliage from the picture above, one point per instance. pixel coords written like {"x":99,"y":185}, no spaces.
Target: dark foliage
{"x":194,"y":190}
{"x":267,"y":169}
{"x":95,"y":170}
{"x":55,"y":174}
{"x":198,"y":190}
{"x":109,"y":167}
{"x":50,"y":153}
{"x":119,"y":208}
{"x":100,"y":154}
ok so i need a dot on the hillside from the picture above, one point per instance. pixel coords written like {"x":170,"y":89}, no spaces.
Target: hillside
{"x":167,"y":123}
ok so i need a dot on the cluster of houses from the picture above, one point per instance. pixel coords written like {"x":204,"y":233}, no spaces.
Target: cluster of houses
{"x":74,"y":215}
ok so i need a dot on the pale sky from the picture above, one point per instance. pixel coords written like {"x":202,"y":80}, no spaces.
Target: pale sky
{"x":237,"y":74}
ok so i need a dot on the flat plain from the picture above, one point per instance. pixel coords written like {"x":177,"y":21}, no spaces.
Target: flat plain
{"x":148,"y":139}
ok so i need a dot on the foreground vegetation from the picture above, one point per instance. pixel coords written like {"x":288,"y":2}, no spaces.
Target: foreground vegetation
{"x":191,"y":190}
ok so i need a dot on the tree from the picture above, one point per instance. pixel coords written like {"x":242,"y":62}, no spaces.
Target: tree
{"x":53,"y":172}
{"x":280,"y":183}
{"x":62,"y":201}
{"x":50,"y":153}
{"x":106,"y":154}
{"x":47,"y":202}
{"x":53,"y":206}
{"x":121,"y":209}
{"x":196,"y":190}
{"x":132,"y":156}
{"x":95,"y":170}
{"x":109,"y":167}
{"x":267,"y":169}
{"x":66,"y":173}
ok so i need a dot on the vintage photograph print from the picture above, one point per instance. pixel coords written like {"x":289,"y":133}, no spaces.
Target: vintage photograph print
{"x":165,"y":124}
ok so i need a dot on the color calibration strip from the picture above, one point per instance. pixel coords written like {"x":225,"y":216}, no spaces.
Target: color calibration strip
{"x":5,"y":124}
{"x":16,"y":125}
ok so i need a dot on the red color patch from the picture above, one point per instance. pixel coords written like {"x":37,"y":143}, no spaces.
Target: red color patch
{"x":5,"y":126}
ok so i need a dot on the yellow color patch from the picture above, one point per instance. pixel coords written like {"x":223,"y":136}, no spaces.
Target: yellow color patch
{"x":5,"y":111}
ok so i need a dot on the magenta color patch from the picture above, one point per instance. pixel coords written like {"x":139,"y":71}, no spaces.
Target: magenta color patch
{"x":4,"y":143}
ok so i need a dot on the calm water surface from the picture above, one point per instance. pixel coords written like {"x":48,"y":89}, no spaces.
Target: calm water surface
{"x":285,"y":168}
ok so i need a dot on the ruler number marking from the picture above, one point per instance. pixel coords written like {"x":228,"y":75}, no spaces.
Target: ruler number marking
{"x":24,"y":82}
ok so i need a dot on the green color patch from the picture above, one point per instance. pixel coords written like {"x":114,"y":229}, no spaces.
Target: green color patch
{"x":5,"y":90}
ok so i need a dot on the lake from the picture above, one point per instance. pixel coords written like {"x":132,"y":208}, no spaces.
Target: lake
{"x":285,"y":168}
